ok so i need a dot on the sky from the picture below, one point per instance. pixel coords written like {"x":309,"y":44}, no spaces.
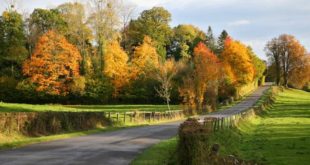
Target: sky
{"x":254,"y":22}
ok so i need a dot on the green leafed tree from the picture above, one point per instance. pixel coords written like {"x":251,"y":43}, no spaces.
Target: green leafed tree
{"x":12,"y":44}
{"x":259,"y":65}
{"x":153,"y":23}
{"x":184,"y":39}
{"x":43,"y":20}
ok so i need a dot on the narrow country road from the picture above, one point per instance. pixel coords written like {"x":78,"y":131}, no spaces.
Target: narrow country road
{"x":110,"y":148}
{"x":244,"y":105}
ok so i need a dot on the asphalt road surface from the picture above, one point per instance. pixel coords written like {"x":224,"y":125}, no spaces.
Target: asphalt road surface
{"x":244,"y":105}
{"x":109,"y":148}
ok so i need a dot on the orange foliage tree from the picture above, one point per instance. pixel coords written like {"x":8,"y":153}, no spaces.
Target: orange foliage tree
{"x":206,"y":71}
{"x":300,"y":73}
{"x":201,"y":83}
{"x":54,"y":64}
{"x":145,"y":58}
{"x":237,"y":62}
{"x":289,"y":60}
{"x":115,"y":66}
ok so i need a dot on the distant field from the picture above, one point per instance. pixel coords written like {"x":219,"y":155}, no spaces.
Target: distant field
{"x":11,"y":107}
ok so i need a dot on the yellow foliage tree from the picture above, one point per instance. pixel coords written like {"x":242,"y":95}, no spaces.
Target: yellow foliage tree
{"x":164,"y":75}
{"x":145,"y":58}
{"x":115,"y":66}
{"x":54,"y":64}
{"x":237,"y":62}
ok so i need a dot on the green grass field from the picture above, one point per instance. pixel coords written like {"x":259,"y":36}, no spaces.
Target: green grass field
{"x":11,"y":107}
{"x":280,"y":136}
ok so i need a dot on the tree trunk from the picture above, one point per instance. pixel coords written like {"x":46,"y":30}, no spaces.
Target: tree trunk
{"x":278,"y":71}
{"x":167,"y":100}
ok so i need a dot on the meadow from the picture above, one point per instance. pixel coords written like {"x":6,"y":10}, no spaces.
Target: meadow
{"x":12,"y":107}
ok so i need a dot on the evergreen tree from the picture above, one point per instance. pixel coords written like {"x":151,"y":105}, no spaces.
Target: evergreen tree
{"x":221,"y":42}
{"x":210,"y":41}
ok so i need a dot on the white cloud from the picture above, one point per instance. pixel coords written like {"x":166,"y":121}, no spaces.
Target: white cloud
{"x":149,"y":3}
{"x":239,"y":22}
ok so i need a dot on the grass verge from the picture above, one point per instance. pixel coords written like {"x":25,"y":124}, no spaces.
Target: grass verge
{"x":159,"y":154}
{"x":279,"y":136}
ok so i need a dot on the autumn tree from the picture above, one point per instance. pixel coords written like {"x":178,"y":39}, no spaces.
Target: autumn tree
{"x":238,"y":62}
{"x":54,"y":65}
{"x":186,"y":86}
{"x":206,"y":71}
{"x":164,"y":75}
{"x":299,"y":74}
{"x":105,"y":22}
{"x":78,"y":33}
{"x":287,"y":54}
{"x":200,"y":82}
{"x":145,"y":58}
{"x":115,"y":67}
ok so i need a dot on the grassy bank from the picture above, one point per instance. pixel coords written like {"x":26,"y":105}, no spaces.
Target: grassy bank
{"x":159,"y":154}
{"x":11,"y":107}
{"x":280,"y":136}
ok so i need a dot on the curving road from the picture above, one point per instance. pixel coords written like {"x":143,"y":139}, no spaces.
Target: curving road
{"x":244,"y":105}
{"x":110,"y":148}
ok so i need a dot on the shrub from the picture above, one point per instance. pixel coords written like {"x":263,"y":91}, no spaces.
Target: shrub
{"x":193,"y":147}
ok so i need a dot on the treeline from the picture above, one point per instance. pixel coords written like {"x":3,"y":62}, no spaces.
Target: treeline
{"x":64,"y":55}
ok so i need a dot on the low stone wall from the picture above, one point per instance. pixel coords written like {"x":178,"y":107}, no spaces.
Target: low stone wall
{"x":47,"y":123}
{"x":35,"y":124}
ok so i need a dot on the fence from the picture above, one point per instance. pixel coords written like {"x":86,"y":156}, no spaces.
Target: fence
{"x":221,"y":120}
{"x":226,"y":121}
{"x":144,"y":116}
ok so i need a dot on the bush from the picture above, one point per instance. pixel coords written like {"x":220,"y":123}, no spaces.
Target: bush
{"x":193,"y":148}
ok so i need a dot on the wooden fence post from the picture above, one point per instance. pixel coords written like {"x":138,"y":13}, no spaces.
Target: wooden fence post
{"x":124,"y":117}
{"x":214,"y":126}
